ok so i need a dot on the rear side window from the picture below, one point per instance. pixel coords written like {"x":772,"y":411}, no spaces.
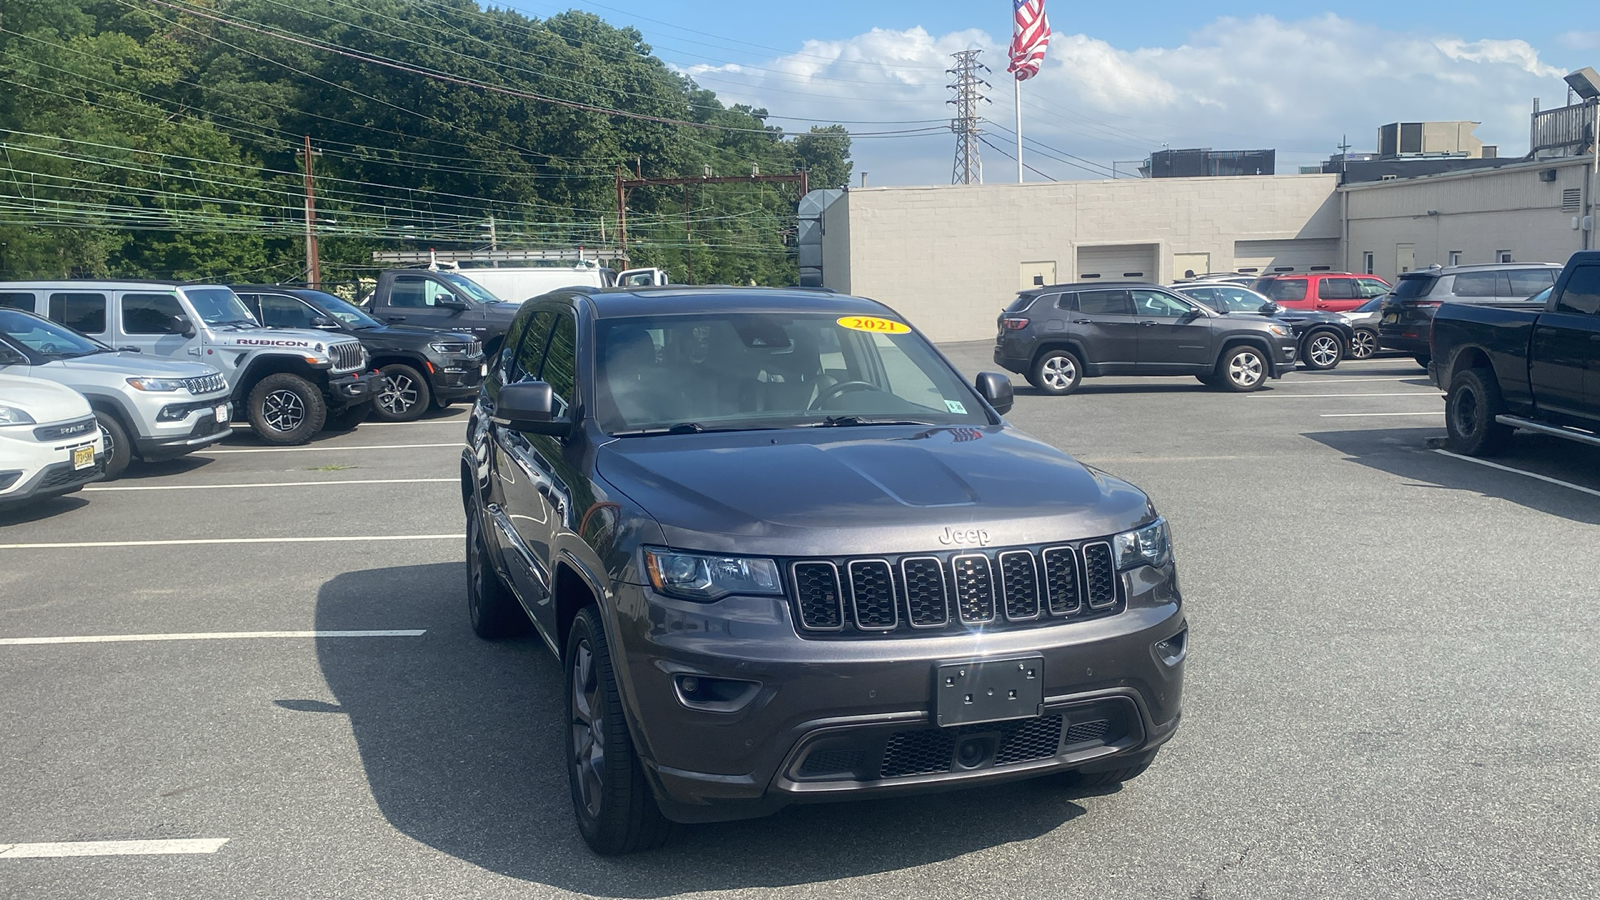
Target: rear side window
{"x":1413,"y":286}
{"x":1283,"y":288}
{"x":1527,"y":282}
{"x":1022,"y":302}
{"x":23,"y":302}
{"x":1582,"y":293}
{"x":1337,"y":289}
{"x":1105,"y":303}
{"x":80,"y":312}
{"x":151,"y":314}
{"x":1477,"y":284}
{"x":1066,"y":302}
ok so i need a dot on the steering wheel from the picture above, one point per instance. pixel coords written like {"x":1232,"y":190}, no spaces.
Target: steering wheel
{"x":843,"y":387}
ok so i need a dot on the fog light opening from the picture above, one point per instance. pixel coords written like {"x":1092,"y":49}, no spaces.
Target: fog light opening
{"x":1172,"y":650}
{"x":715,"y":694}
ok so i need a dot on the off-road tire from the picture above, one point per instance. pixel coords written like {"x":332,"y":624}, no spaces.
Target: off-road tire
{"x":1364,"y":345}
{"x":1469,"y":410}
{"x":298,"y":419}
{"x":1243,"y":368}
{"x":403,"y":394}
{"x":118,"y":448}
{"x":491,"y":609}
{"x":1056,"y":372}
{"x":1322,"y":350}
{"x":617,"y":812}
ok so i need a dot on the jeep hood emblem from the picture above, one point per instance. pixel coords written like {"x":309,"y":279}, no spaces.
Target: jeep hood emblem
{"x":978,"y":536}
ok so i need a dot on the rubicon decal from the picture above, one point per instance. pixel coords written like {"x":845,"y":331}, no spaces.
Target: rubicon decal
{"x":268,"y":342}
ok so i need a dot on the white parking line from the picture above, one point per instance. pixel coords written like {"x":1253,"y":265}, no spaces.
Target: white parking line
{"x":360,"y":538}
{"x":1389,"y":378}
{"x":1535,"y":475}
{"x":110,"y":848}
{"x":202,"y":636}
{"x":267,"y":484}
{"x":1337,"y":396}
{"x":1436,"y":412}
{"x":322,"y":449}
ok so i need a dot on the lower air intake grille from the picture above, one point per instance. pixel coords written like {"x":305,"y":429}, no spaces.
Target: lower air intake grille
{"x":817,"y":594}
{"x":831,"y":762}
{"x":1100,"y":574}
{"x":931,"y":751}
{"x":1036,"y":739}
{"x":1087,"y":731}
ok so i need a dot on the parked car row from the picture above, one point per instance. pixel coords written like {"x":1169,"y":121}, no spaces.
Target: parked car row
{"x":165,"y":368}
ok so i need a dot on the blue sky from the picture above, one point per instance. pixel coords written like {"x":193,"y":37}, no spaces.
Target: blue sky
{"x":1121,"y":80}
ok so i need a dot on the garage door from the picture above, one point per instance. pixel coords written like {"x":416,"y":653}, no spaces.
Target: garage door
{"x":1303,"y":255}
{"x":1118,"y":262}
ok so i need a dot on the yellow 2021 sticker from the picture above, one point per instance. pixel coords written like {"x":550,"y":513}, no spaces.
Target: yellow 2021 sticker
{"x":874,"y":324}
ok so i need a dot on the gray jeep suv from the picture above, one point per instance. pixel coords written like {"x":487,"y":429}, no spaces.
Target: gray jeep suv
{"x":1055,"y":336}
{"x":787,"y":554}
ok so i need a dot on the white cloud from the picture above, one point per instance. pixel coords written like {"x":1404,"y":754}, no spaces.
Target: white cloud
{"x":1255,"y":83}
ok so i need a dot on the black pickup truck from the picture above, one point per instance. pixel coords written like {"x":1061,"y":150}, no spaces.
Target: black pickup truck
{"x":1530,"y":366}
{"x":441,"y":300}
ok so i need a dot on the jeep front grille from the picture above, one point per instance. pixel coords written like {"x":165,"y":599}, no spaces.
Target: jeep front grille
{"x":205,"y":384}
{"x":345,"y":356}
{"x":954,"y":591}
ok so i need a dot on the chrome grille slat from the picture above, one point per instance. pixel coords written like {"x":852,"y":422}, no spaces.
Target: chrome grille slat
{"x":345,"y":356}
{"x":817,"y":594}
{"x":1019,"y":583}
{"x":205,"y":384}
{"x":872,"y":595}
{"x":927,"y":603}
{"x":1100,"y":575}
{"x":1062,"y":580}
{"x":973,"y":579}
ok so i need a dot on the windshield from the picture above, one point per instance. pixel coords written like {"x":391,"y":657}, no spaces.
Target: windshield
{"x":345,"y":312}
{"x":219,"y":306}
{"x":1231,"y":299}
{"x":1412,"y":286}
{"x":469,"y":287}
{"x":45,"y":337}
{"x":750,"y":371}
{"x":1371,"y":305}
{"x":1282,"y":288}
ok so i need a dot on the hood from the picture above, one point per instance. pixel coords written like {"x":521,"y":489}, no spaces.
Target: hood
{"x":1289,"y":314}
{"x":45,"y":401}
{"x":129,"y":365}
{"x":874,"y":489}
{"x":290,"y":338}
{"x":409,"y":336}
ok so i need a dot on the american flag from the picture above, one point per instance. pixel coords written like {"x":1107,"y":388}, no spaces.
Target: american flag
{"x":1030,"y":35}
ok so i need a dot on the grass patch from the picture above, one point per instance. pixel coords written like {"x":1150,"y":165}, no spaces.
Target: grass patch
{"x":333,"y":468}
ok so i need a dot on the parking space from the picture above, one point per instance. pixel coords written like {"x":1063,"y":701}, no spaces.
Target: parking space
{"x":1390,"y":691}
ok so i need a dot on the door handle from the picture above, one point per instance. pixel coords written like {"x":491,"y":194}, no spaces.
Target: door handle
{"x":1595,"y":338}
{"x":1148,"y":324}
{"x":1082,"y":322}
{"x":395,"y":318}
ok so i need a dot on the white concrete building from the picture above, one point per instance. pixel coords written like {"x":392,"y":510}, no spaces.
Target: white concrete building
{"x":951,"y":257}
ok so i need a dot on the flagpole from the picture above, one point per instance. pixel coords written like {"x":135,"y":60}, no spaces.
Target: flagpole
{"x":1016,"y":85}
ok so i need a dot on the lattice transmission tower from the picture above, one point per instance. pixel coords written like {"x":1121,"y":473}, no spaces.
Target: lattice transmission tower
{"x":968,"y":94}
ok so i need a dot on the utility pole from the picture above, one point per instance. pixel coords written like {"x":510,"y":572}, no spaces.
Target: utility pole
{"x":968,"y":166}
{"x":494,"y":240}
{"x":313,"y":264}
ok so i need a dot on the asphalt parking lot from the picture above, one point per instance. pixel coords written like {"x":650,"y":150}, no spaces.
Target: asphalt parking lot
{"x":1390,"y":689}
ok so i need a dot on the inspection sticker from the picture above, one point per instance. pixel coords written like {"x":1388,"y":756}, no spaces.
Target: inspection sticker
{"x":872,"y":323}
{"x":955,"y":406}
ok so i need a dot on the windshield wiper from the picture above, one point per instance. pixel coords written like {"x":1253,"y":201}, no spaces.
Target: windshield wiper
{"x":836,"y":421}
{"x":683,"y":428}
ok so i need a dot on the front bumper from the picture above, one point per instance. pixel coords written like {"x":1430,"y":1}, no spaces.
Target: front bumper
{"x":457,"y":377}
{"x":352,"y":388}
{"x":52,"y":480}
{"x":1284,"y":357}
{"x":200,"y":428}
{"x":845,"y":718}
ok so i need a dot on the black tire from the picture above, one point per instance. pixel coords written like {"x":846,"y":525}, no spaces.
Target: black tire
{"x":349,"y":417}
{"x":119,"y":449}
{"x":286,"y":409}
{"x":1364,"y":344}
{"x":616,"y":810}
{"x":1469,"y":410}
{"x":1322,"y":350}
{"x":1242,"y":368}
{"x":1110,"y":778}
{"x":403,"y":395}
{"x":1423,"y":359}
{"x":1056,"y":372}
{"x":492,"y":610}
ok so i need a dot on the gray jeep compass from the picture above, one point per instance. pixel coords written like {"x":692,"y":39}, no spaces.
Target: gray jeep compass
{"x":787,"y":554}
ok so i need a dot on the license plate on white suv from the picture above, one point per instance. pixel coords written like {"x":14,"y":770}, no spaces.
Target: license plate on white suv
{"x":83,"y":457}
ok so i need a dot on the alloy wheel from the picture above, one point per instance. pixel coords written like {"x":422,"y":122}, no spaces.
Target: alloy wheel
{"x":283,"y":410}
{"x":1363,"y":345}
{"x":588,"y":729}
{"x":110,"y":443}
{"x":1324,"y":351}
{"x":399,"y":394}
{"x":1245,"y":369}
{"x":1058,"y":373}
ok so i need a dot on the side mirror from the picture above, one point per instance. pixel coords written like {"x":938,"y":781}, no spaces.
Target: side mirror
{"x":530,"y":406}
{"x":996,"y":389}
{"x":452,"y":303}
{"x":182,"y":325}
{"x":324,"y":323}
{"x":1271,"y":309}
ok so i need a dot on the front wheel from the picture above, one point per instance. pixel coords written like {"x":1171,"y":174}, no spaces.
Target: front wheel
{"x":1323,"y":350}
{"x":1363,"y":344}
{"x":1056,"y":372}
{"x":616,"y":810}
{"x":492,"y":610}
{"x":286,"y":409}
{"x":1242,"y":369}
{"x":403,"y":395}
{"x":1469,"y":414}
{"x":118,"y":449}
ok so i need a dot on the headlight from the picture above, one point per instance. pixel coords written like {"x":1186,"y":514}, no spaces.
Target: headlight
{"x":162,"y":385}
{"x":447,"y":347}
{"x":1279,"y":330}
{"x":10,"y":415}
{"x":1147,"y":546}
{"x":692,"y":576}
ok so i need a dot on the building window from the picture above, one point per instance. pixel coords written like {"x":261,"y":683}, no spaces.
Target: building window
{"x":1455,"y":257}
{"x":1367,"y":263}
{"x":1502,"y":256}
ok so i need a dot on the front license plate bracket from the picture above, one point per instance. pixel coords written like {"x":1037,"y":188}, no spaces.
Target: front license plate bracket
{"x":989,"y":690}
